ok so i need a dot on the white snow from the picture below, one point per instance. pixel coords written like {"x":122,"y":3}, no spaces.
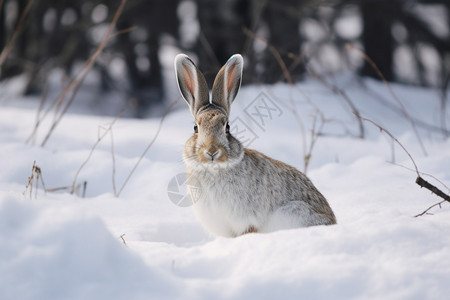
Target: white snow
{"x":63,"y":246}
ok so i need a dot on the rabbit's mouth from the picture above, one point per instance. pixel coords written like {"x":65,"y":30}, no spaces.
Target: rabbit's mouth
{"x":212,"y":155}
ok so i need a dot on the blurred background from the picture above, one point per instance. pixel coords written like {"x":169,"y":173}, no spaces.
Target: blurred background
{"x":408,"y":41}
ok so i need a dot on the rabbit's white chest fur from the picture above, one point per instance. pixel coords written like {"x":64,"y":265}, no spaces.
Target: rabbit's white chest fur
{"x":222,"y":206}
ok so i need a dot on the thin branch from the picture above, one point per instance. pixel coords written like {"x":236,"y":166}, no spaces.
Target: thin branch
{"x":398,"y":110}
{"x":294,"y":111}
{"x":75,"y":83}
{"x":123,"y":31}
{"x":428,"y":209}
{"x":70,"y":188}
{"x":123,"y":240}
{"x":99,"y":139}
{"x":425,"y":174}
{"x":391,"y":91}
{"x":314,"y":137}
{"x":382,"y":129}
{"x":147,"y":148}
{"x":10,"y":44}
{"x":288,"y":77}
{"x":344,"y":95}
{"x":419,"y":180}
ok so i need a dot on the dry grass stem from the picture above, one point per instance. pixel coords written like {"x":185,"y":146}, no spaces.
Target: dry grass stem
{"x":10,"y":44}
{"x":171,"y":106}
{"x":315,"y":133}
{"x":34,"y":179}
{"x":99,"y":139}
{"x":71,"y":88}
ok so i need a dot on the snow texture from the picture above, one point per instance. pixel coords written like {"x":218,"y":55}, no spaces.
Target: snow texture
{"x":62,"y":246}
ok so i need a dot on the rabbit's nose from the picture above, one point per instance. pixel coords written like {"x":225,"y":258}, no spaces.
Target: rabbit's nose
{"x":213,"y":155}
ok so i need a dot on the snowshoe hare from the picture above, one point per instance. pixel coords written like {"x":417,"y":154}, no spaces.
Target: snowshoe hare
{"x":239,"y":190}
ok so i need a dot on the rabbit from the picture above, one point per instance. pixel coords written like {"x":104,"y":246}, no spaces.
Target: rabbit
{"x":241,"y":190}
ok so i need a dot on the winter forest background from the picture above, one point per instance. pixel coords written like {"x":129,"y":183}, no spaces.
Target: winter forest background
{"x":93,"y":202}
{"x":407,"y":40}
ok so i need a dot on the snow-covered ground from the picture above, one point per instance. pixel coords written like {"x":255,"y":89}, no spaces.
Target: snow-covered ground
{"x":57,"y":245}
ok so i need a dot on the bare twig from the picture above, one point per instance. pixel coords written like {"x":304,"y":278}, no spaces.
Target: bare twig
{"x":123,"y":240}
{"x":391,"y":91}
{"x":426,"y":174}
{"x":82,"y":185}
{"x":426,"y":211}
{"x":382,"y":129}
{"x":419,"y":180}
{"x":315,"y":133}
{"x":344,"y":95}
{"x":147,"y":148}
{"x":10,"y":44}
{"x":75,"y":83}
{"x":294,"y":111}
{"x":398,"y":110}
{"x":288,"y":77}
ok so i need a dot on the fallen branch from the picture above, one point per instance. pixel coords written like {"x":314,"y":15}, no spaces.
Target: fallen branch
{"x":425,"y":184}
{"x":426,"y":174}
{"x":419,"y":180}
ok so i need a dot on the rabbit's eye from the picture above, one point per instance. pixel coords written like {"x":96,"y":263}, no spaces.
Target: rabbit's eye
{"x":227,"y":128}
{"x":195,"y":128}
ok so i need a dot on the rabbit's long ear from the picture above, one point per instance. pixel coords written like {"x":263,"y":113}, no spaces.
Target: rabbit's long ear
{"x":192,"y":83}
{"x":227,"y":82}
